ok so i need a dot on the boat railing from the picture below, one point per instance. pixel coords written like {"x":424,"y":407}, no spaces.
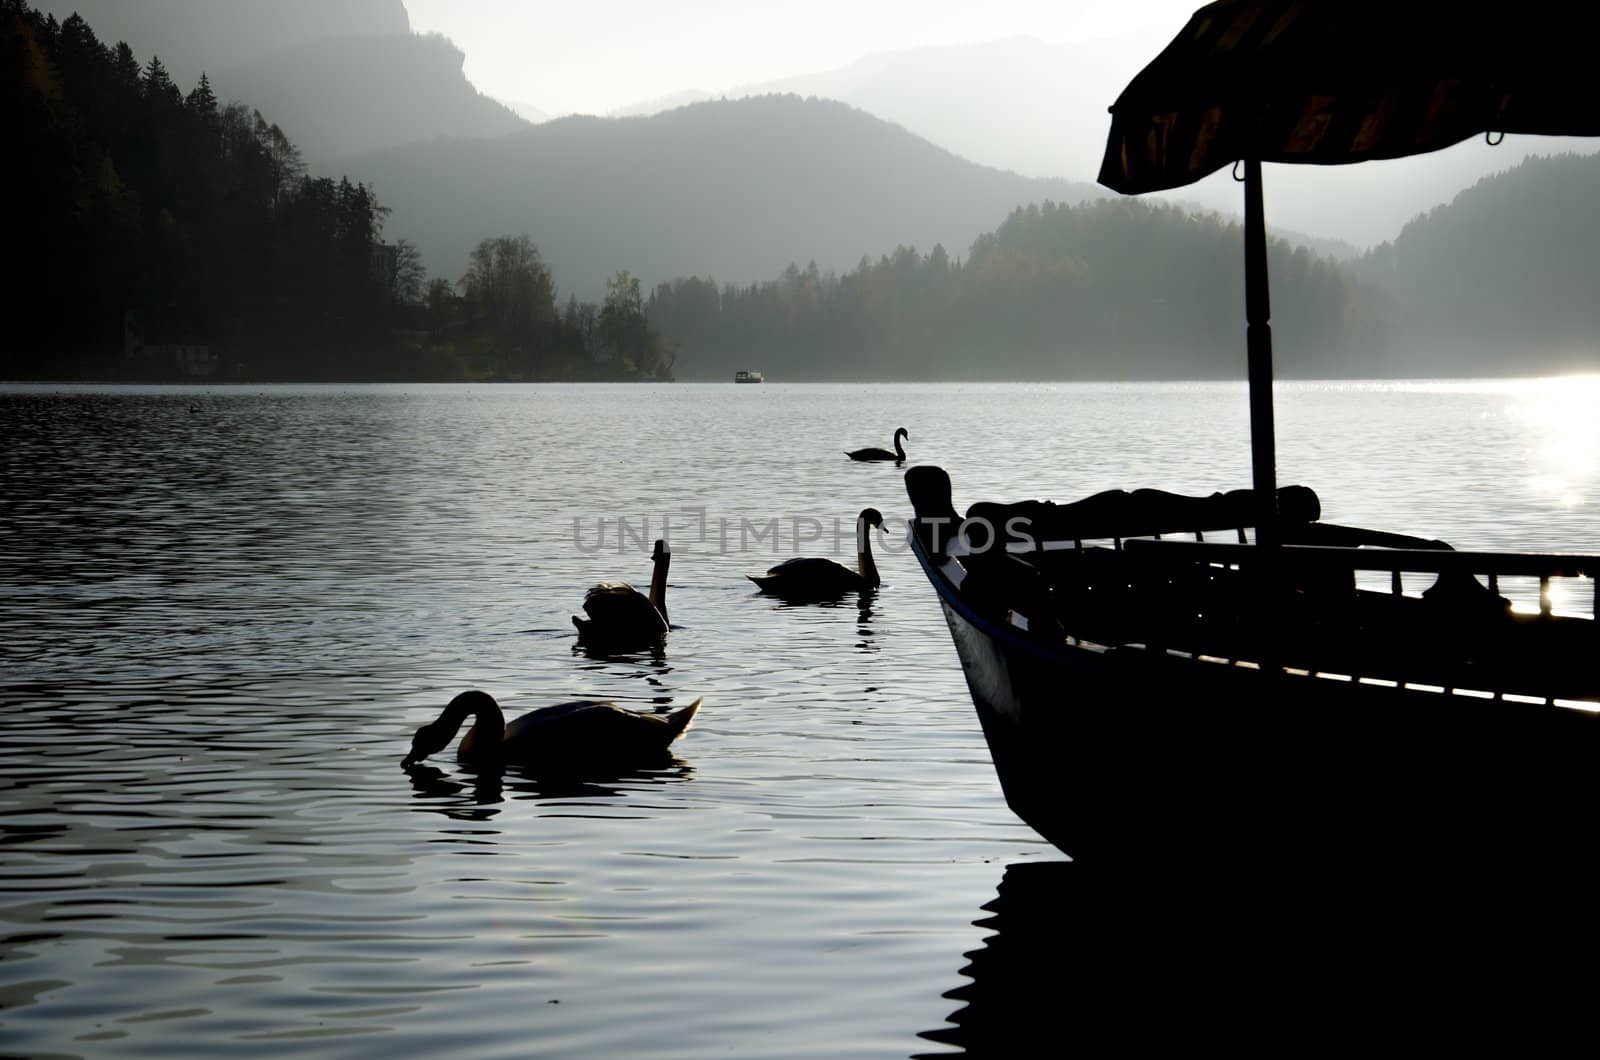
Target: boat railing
{"x":1303,"y":609}
{"x":1396,"y":562}
{"x":1135,"y":573}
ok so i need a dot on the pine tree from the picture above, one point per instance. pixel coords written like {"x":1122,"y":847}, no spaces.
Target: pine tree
{"x":202,"y":100}
{"x":125,"y":68}
{"x":158,"y":86}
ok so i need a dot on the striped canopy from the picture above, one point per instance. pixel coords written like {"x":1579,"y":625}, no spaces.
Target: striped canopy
{"x":1335,"y":81}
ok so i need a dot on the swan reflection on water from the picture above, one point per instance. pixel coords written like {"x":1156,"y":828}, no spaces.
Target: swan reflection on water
{"x":476,"y":794}
{"x":864,"y":626}
{"x":600,"y":653}
{"x":652,"y":656}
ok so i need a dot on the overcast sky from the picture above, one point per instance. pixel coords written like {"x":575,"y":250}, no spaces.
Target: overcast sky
{"x":593,"y":58}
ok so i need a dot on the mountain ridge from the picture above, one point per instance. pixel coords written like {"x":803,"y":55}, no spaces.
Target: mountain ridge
{"x":393,"y":89}
{"x":1040,"y":109}
{"x":736,"y":189}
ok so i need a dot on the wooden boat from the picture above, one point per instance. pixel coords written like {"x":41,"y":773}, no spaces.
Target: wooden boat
{"x":746,"y":377}
{"x":1189,"y":679}
{"x":1148,"y":691}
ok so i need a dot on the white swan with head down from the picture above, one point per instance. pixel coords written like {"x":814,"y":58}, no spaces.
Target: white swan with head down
{"x":583,"y":736}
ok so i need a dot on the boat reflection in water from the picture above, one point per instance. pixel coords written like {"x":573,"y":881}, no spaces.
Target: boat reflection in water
{"x":1079,"y":962}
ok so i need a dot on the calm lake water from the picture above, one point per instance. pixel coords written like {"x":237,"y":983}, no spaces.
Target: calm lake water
{"x":223,"y":611}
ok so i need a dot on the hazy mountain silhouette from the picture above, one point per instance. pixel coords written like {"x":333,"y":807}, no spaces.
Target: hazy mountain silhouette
{"x":339,"y":78}
{"x":735,"y":190}
{"x":526,"y":111}
{"x":194,"y":35}
{"x":1501,"y":280}
{"x":1040,"y":109}
{"x":1020,"y":104}
{"x":674,"y":100}
{"x":347,"y":95}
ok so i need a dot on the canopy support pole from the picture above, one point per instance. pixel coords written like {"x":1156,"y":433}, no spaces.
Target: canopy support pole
{"x":1258,"y":343}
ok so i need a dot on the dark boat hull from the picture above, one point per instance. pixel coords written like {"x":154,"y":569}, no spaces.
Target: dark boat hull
{"x":1129,"y":755}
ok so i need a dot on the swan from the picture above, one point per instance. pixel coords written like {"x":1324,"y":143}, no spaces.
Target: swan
{"x":583,"y":735}
{"x":620,"y":616}
{"x":898,"y":456}
{"x":820,"y":579}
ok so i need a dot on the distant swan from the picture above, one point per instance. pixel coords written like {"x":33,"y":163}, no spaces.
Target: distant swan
{"x":583,"y":736}
{"x":822,"y":579}
{"x":620,"y":616}
{"x":898,"y":456}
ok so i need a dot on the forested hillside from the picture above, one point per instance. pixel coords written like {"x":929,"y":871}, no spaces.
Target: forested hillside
{"x":169,"y":236}
{"x":156,"y":216}
{"x":1501,"y":280}
{"x":1119,"y":289}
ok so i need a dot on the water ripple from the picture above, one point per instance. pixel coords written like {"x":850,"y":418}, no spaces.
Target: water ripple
{"x":219,"y":628}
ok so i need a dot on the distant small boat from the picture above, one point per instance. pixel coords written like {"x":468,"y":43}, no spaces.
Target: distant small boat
{"x":747,"y":377}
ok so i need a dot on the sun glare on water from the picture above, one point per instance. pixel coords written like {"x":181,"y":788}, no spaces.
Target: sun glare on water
{"x":1564,"y":435}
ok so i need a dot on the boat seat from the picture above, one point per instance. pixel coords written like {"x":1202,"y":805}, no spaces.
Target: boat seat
{"x":1001,"y":584}
{"x":1116,"y":514}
